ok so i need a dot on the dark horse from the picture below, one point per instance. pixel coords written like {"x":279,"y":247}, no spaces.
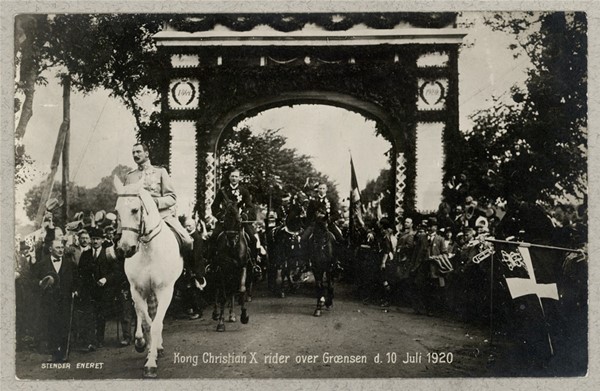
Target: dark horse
{"x":320,"y":256}
{"x":288,"y":255}
{"x":228,"y":268}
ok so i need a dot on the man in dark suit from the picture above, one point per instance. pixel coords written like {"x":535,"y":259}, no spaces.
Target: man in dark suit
{"x":57,"y":278}
{"x":321,"y":202}
{"x":99,"y":271}
{"x":321,"y":199}
{"x":233,"y":192}
{"x":192,"y":295}
{"x":83,"y":244}
{"x":427,"y":278}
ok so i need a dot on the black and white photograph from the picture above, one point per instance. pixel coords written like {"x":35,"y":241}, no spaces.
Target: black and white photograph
{"x":300,"y":195}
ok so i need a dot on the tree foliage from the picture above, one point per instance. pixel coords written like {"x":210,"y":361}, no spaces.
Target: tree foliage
{"x":111,"y":51}
{"x":267,"y":166}
{"x":535,"y":149}
{"x":82,"y":199}
{"x":24,"y":167}
{"x":380,"y":190}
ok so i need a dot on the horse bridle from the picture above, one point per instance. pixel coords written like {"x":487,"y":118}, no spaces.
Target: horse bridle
{"x":141,"y":229}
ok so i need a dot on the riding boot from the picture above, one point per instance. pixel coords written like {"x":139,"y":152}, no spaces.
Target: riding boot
{"x":188,"y":262}
{"x":187,"y":243}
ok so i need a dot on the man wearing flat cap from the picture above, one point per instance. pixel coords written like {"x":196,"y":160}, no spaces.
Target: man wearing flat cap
{"x":57,"y":280}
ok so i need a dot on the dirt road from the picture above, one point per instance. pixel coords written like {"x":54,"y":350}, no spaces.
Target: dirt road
{"x":284,"y":340}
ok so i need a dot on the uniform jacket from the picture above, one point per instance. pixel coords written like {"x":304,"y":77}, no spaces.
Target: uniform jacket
{"x":157,"y":182}
{"x":330,"y":206}
{"x":241,"y":195}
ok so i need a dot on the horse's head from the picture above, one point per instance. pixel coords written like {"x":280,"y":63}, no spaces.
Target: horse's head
{"x":321,"y":216}
{"x":294,"y":217}
{"x":137,"y":214}
{"x":232,"y":219}
{"x":301,"y":200}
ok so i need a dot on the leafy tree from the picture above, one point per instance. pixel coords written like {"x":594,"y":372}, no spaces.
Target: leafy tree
{"x":111,"y":51}
{"x":535,"y":148}
{"x":379,"y":186}
{"x":23,"y":164}
{"x":100,"y":197}
{"x":267,"y":166}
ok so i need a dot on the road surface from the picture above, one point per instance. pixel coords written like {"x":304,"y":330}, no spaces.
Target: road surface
{"x":284,"y":340}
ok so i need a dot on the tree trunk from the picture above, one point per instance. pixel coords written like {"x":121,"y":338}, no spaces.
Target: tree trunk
{"x":66,"y":147}
{"x":27,"y":107}
{"x":29,"y":68}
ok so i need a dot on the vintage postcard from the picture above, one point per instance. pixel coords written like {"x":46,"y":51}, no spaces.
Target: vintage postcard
{"x":294,"y":193}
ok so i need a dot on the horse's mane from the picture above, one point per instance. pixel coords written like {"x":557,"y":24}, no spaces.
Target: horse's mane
{"x":231,"y":216}
{"x":293,"y":220}
{"x":149,"y":205}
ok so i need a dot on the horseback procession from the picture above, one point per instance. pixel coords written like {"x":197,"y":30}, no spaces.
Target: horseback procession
{"x":141,"y":257}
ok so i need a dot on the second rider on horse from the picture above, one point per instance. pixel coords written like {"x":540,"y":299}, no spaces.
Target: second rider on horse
{"x":233,"y":192}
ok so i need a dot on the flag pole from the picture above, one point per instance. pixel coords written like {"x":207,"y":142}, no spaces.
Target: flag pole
{"x":525,"y":244}
{"x":492,"y":300}
{"x":350,"y":208}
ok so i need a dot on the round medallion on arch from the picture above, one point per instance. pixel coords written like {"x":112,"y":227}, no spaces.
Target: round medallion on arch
{"x":183,"y":94}
{"x":432,"y":94}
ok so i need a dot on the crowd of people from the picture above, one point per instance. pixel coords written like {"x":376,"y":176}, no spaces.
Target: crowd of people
{"x":433,"y":263}
{"x":71,"y":281}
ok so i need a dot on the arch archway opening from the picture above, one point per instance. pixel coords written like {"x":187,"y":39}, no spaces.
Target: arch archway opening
{"x":285,"y":149}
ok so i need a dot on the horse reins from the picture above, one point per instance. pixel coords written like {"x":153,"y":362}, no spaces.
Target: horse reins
{"x":140,"y":231}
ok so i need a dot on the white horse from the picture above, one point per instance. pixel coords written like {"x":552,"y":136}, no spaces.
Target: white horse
{"x":153,"y":263}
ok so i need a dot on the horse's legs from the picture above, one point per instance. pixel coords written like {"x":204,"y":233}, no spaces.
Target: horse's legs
{"x":320,"y":291}
{"x":286,"y":276}
{"x":279,"y":282}
{"x":141,"y":310}
{"x":221,"y":299}
{"x":231,"y":301}
{"x":249,"y":284}
{"x":244,"y":318}
{"x":215,"y":313}
{"x":243,"y":280}
{"x":329,"y":299}
{"x":163,"y":298}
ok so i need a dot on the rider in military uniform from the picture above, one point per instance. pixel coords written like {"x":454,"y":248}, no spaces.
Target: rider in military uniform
{"x":239,"y":194}
{"x":157,"y":182}
{"x":321,"y":202}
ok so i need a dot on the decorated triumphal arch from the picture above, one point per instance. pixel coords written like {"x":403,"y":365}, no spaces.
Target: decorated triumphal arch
{"x":399,"y":69}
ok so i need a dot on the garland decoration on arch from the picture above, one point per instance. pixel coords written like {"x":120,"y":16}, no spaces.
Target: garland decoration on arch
{"x":296,"y":21}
